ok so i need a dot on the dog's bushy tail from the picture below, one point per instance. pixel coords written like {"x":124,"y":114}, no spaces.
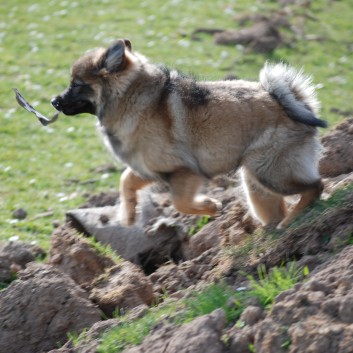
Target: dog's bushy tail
{"x":294,"y":91}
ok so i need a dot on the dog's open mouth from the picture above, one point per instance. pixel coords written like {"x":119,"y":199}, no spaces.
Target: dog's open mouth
{"x":42,"y":118}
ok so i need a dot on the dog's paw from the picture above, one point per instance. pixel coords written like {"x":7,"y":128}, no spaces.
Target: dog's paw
{"x":282,"y":225}
{"x":212,"y":206}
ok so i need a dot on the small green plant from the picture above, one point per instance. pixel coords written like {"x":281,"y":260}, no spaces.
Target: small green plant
{"x":251,"y":348}
{"x":279,"y":279}
{"x":76,"y":338}
{"x":240,"y":324}
{"x":202,"y":221}
{"x":350,"y":239}
{"x":130,"y":333}
{"x":103,"y":249}
{"x":213,"y":297}
{"x":5,"y":284}
{"x":286,"y":344}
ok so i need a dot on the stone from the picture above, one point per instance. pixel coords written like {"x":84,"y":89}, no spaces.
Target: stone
{"x":251,"y":315}
{"x":19,"y":214}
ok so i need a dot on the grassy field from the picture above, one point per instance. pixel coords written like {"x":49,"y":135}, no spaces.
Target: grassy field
{"x":55,"y":168}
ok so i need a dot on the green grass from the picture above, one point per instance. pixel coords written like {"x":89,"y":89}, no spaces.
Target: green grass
{"x":45,"y":169}
{"x":201,"y":222}
{"x":265,"y":288}
{"x":75,"y":338}
{"x":279,"y":279}
{"x":319,"y":208}
{"x":4,"y":285}
{"x":132,"y":333}
{"x":104,"y":249}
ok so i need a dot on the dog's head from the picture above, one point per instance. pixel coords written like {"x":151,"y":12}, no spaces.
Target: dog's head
{"x":92,"y":76}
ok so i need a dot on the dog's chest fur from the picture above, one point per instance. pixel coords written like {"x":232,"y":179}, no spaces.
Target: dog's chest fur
{"x":124,"y":150}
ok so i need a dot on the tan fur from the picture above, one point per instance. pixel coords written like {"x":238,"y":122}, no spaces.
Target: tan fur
{"x":168,"y":127}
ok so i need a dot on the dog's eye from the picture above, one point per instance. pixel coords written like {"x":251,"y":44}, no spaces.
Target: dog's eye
{"x":77,"y":84}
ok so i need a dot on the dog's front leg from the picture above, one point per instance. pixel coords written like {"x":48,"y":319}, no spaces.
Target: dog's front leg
{"x":130,"y":183}
{"x":184,"y":184}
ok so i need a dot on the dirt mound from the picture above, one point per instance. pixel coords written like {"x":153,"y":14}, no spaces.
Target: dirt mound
{"x":265,"y":32}
{"x":14,"y":256}
{"x":171,"y":278}
{"x":121,"y":288}
{"x":338,"y":154}
{"x":102,"y":199}
{"x":309,"y":242}
{"x":74,"y":256}
{"x":38,"y":310}
{"x":314,"y":317}
{"x":261,"y":37}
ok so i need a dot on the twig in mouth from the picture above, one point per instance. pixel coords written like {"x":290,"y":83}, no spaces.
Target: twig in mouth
{"x":24,"y":104}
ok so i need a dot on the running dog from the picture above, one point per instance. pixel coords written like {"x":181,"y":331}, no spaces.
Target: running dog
{"x":167,"y":126}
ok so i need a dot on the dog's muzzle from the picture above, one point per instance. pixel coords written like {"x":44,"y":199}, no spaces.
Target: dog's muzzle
{"x":57,"y":103}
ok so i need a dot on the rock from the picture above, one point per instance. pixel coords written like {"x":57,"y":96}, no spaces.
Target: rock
{"x":121,"y":288}
{"x":74,"y":256}
{"x":138,"y":312}
{"x":240,"y":340}
{"x":270,"y":338}
{"x":345,"y":310}
{"x":208,"y":237}
{"x":143,"y":244}
{"x":20,"y":214}
{"x":251,"y":315}
{"x":21,"y":253}
{"x":14,"y":256}
{"x":38,"y":310}
{"x":317,"y":336}
{"x":202,"y":335}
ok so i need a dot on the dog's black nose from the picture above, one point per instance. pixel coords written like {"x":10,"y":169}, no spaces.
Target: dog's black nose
{"x":57,"y":103}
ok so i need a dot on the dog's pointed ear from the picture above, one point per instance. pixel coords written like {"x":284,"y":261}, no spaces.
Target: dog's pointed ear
{"x":128,"y":44}
{"x":114,"y":57}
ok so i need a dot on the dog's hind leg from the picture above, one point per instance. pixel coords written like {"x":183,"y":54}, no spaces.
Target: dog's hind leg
{"x":267,"y":206}
{"x":130,"y":183}
{"x":184,"y":185}
{"x":307,"y":198}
